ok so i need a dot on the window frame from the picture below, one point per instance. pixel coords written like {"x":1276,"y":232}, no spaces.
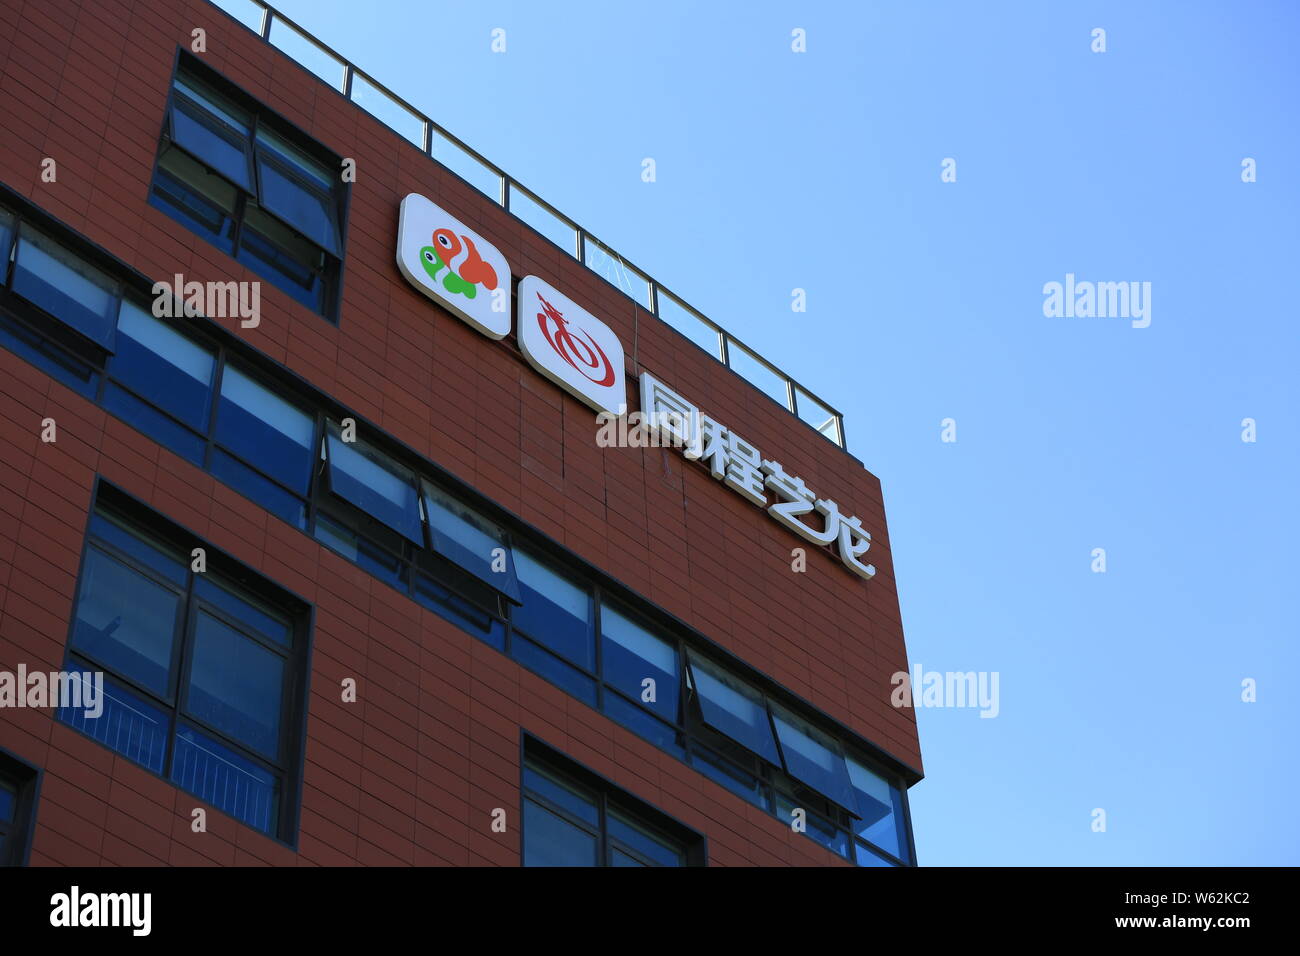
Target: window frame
{"x":607,"y":798}
{"x":139,"y":520}
{"x":193,"y":71}
{"x":24,"y":778}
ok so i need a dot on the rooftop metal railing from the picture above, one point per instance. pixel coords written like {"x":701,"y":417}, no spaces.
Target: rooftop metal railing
{"x":423,"y":133}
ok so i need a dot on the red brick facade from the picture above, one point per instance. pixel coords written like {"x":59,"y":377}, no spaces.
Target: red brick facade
{"x":412,"y":774}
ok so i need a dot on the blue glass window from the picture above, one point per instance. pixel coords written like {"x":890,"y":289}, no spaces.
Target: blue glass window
{"x":644,"y":724}
{"x":126,"y":621}
{"x":162,"y":428}
{"x":8,"y":802}
{"x":552,"y":840}
{"x":723,"y":771}
{"x":6,"y":238}
{"x":537,"y":658}
{"x":732,"y":707}
{"x":262,"y":428}
{"x":280,"y":256}
{"x":235,"y":685}
{"x":466,"y":614}
{"x":465,"y":537}
{"x":879,"y":808}
{"x":563,"y":795}
{"x":297,"y":189}
{"x":570,"y":824}
{"x":374,"y":483}
{"x":212,"y":129}
{"x":630,"y":655}
{"x":77,"y":375}
{"x":164,"y":561}
{"x":264,"y":622}
{"x":162,"y":365}
{"x":226,"y":175}
{"x":126,"y":723}
{"x":865,"y":857}
{"x":626,"y":836}
{"x":813,"y":757}
{"x":210,"y":663}
{"x":68,"y":288}
{"x":555,"y":611}
{"x":817,"y":827}
{"x":359,"y":550}
{"x":203,"y":201}
{"x":254,"y":485}
{"x":225,"y":779}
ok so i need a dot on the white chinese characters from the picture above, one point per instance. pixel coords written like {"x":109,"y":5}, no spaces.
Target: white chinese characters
{"x":738,"y":464}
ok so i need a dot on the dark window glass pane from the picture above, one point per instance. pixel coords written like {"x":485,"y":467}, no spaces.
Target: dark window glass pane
{"x":866,"y":858}
{"x":734,"y":778}
{"x":225,"y":779}
{"x":618,"y":858}
{"x":630,"y":654}
{"x":235,"y":685}
{"x":567,"y":796}
{"x":818,"y":828}
{"x":813,"y":757}
{"x":200,"y":200}
{"x":8,"y":795}
{"x":159,"y":364}
{"x":643,"y":724}
{"x":555,"y":611}
{"x":163,"y":429}
{"x":463,"y":613}
{"x":45,"y":355}
{"x":283,"y":504}
{"x":71,"y":290}
{"x":376,"y":484}
{"x":538,"y":659}
{"x":659,"y":849}
{"x":464,"y":536}
{"x":126,"y":723}
{"x":382,"y":564}
{"x":126,"y":621}
{"x":552,"y":841}
{"x":265,"y":622}
{"x":262,"y":428}
{"x":732,"y":707}
{"x":880,"y":808}
{"x":305,"y":209}
{"x":292,"y":264}
{"x":166,"y":561}
{"x":223,"y":149}
{"x":318,"y":174}
{"x":213,"y":102}
{"x":6,"y":237}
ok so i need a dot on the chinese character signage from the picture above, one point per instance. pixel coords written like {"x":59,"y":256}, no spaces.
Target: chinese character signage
{"x":462,"y":271}
{"x":739,"y":465}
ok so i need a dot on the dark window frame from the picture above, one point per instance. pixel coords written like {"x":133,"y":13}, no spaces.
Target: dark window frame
{"x":141,"y":521}
{"x":608,"y":797}
{"x":186,"y":66}
{"x":25,"y":780}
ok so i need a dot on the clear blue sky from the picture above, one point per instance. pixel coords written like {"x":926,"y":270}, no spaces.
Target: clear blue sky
{"x":822,"y":171}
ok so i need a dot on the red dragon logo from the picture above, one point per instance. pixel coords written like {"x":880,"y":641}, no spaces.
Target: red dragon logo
{"x":574,"y":345}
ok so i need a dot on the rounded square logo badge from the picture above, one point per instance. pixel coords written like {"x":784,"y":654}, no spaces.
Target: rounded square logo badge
{"x":454,"y":266}
{"x":570,"y":346}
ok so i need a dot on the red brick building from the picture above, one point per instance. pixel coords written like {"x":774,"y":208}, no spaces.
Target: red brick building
{"x":342,"y":678}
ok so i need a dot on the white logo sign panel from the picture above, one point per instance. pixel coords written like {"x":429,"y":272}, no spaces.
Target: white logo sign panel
{"x":454,"y":266}
{"x":570,"y":346}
